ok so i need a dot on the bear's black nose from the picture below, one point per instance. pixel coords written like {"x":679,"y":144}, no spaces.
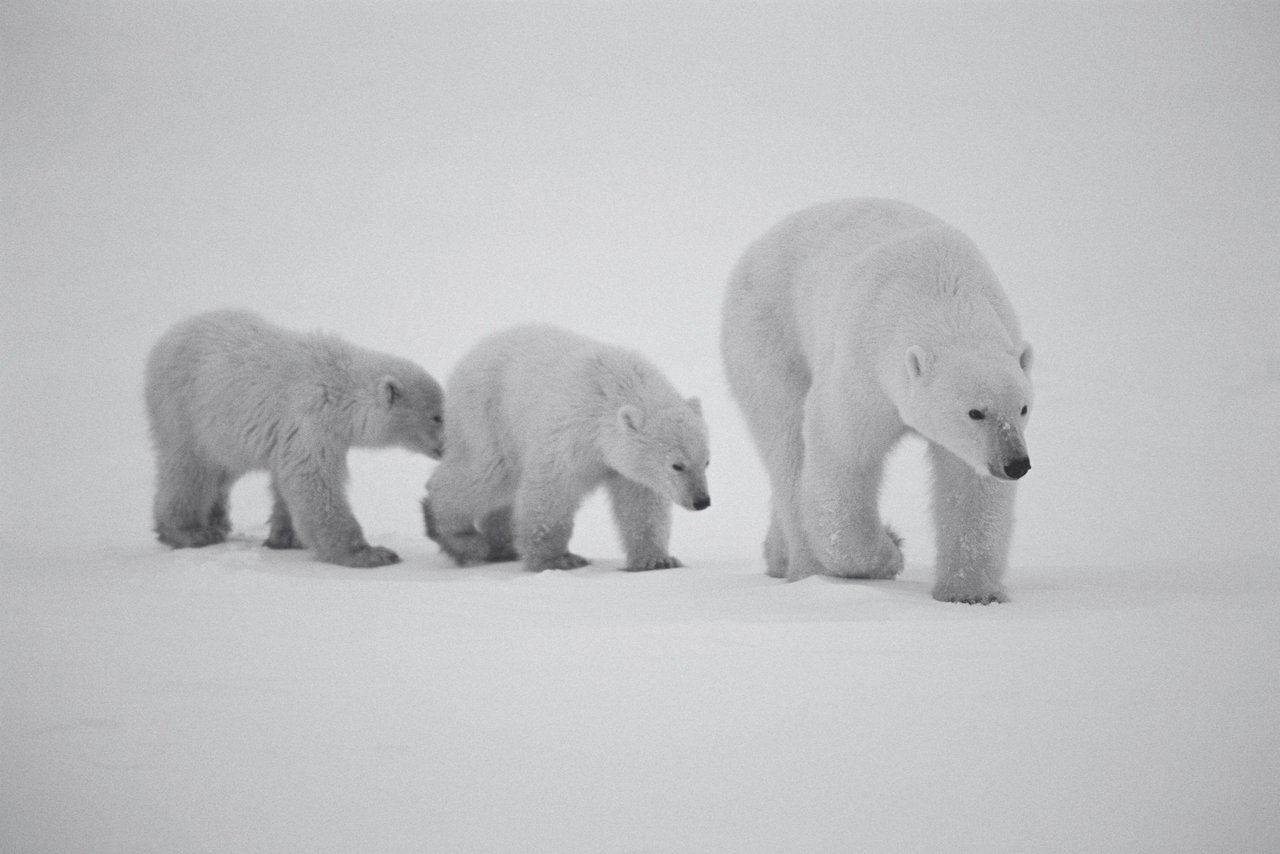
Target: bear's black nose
{"x":1017,"y":468}
{"x":702,"y":503}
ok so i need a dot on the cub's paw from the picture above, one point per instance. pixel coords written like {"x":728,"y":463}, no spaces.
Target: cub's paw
{"x":568,"y":560}
{"x":467,"y":547}
{"x":191,"y":538}
{"x":667,"y":562}
{"x":965,"y":592}
{"x":283,"y":539}
{"x":367,"y":557}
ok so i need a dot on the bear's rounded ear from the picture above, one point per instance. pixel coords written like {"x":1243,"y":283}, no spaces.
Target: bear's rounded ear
{"x":630,"y":418}
{"x":696,"y":405}
{"x":917,"y":361}
{"x":389,"y":391}
{"x":1025,"y":358}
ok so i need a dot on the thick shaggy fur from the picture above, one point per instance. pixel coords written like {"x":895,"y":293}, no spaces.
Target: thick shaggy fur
{"x":848,"y":325}
{"x":540,"y":417}
{"x":229,"y":393}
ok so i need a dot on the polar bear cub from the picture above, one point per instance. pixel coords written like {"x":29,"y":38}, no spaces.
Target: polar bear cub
{"x":227,"y":393}
{"x":848,"y":325}
{"x":538,"y":418}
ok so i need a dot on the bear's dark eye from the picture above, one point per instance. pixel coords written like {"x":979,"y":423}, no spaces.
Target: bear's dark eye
{"x":977,"y":414}
{"x":438,"y":419}
{"x":1024,"y":410}
{"x":678,"y":466}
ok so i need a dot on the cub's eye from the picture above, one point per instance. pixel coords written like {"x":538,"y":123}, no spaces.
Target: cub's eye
{"x":678,"y":466}
{"x":977,"y":414}
{"x":438,"y":419}
{"x":1024,"y":410}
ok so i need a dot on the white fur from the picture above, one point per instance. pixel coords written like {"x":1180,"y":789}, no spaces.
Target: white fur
{"x":538,"y":418}
{"x":848,"y":325}
{"x":228,"y":393}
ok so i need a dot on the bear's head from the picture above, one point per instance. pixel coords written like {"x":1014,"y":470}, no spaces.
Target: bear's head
{"x":410,"y":411}
{"x":973,"y":402}
{"x":664,"y":449}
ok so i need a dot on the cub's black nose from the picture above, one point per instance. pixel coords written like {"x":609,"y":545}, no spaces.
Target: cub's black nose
{"x":702,"y":503}
{"x":1017,"y":468}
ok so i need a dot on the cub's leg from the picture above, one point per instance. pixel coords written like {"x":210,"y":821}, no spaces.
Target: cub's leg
{"x":313,"y":490}
{"x":546,"y":502}
{"x":974,"y":520}
{"x":281,"y":534}
{"x":644,"y":522}
{"x":190,"y":505}
{"x":841,"y":492}
{"x":449,"y":512}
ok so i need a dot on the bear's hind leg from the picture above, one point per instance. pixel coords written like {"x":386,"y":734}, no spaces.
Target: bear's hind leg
{"x":281,"y":534}
{"x":772,"y":394}
{"x":190,"y":505}
{"x":775,"y":548}
{"x":644,"y":522}
{"x":451,"y":508}
{"x":974,"y":519}
{"x":456,"y":535}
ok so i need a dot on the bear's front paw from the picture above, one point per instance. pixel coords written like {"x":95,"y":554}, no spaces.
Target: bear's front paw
{"x":883,"y":563}
{"x":568,"y":560}
{"x":367,"y":557}
{"x":645,"y":564}
{"x":964,"y":592}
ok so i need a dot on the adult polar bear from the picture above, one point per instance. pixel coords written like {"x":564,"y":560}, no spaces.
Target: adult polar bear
{"x":845,"y":327}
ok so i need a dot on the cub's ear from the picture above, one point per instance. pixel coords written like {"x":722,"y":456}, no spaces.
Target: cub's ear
{"x":917,"y":361}
{"x":631,"y":418}
{"x":696,"y":405}
{"x":389,"y":391}
{"x":1025,"y":358}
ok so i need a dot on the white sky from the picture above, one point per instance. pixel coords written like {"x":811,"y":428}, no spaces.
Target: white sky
{"x":415,"y":176}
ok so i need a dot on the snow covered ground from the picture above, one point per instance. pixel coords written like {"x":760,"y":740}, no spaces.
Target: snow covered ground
{"x":413,"y":176}
{"x":236,"y":699}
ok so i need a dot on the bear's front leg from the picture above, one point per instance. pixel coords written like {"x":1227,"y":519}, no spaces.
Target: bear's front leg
{"x":840,"y":491}
{"x":644,"y":523}
{"x":319,"y":509}
{"x":974,"y":519}
{"x":546,"y":502}
{"x":499,"y":536}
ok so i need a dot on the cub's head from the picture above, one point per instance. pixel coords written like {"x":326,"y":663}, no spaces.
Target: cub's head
{"x":974,"y":403}
{"x":410,"y":406}
{"x":664,"y":449}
